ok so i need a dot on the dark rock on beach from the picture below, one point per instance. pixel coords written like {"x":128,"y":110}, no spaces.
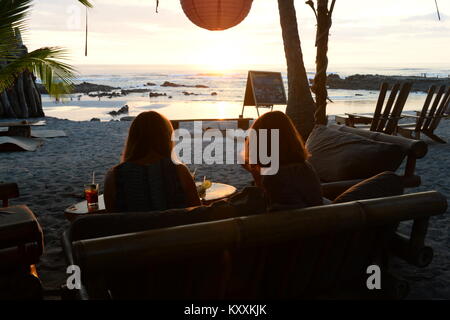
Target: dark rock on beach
{"x":128,"y":91}
{"x":123,"y":110}
{"x":95,"y":120}
{"x":373,"y":82}
{"x":189,"y":93}
{"x":156,"y":94}
{"x":214,"y":93}
{"x":171,"y":84}
{"x":149,"y":84}
{"x":109,"y":95}
{"x":175,"y":85}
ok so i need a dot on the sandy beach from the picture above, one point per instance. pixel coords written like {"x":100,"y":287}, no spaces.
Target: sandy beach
{"x":52,"y":178}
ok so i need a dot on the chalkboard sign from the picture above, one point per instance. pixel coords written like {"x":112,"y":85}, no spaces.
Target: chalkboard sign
{"x":264,"y":89}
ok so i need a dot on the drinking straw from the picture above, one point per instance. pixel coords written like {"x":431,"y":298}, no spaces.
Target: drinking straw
{"x":93,"y":177}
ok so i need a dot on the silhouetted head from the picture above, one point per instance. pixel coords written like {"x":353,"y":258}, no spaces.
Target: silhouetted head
{"x":291,"y":146}
{"x":149,"y":138}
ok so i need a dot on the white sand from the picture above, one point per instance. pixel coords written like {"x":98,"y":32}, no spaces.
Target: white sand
{"x":51,"y":178}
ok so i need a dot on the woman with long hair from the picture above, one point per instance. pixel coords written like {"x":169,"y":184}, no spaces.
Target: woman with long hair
{"x":146,"y":178}
{"x":295,"y":184}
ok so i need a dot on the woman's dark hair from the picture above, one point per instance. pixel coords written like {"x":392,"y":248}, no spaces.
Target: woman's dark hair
{"x":150,"y":135}
{"x":291,"y":146}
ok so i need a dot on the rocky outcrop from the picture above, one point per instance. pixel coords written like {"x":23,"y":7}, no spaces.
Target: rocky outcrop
{"x":84,"y":87}
{"x":373,"y":81}
{"x":128,"y":91}
{"x":175,"y":85}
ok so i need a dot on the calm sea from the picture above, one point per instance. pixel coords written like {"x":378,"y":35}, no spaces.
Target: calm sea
{"x":229,"y":87}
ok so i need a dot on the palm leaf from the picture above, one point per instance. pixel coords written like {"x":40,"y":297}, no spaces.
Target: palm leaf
{"x":86,"y":3}
{"x":46,"y":63}
{"x":13,"y":15}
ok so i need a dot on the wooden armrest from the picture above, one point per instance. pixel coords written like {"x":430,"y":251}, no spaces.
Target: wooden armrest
{"x":412,"y":249}
{"x":410,"y":116}
{"x":355,"y":115}
{"x":8,"y":191}
{"x":415,"y":148}
{"x":331,"y":190}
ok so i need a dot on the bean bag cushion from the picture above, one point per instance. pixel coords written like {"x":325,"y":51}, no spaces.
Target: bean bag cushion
{"x":338,"y":156}
{"x":385,"y":184}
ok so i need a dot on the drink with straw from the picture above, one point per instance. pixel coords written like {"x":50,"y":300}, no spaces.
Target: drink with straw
{"x":91,"y":193}
{"x":201,"y":188}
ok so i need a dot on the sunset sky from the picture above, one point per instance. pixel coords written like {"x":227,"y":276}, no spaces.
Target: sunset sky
{"x":402,"y":33}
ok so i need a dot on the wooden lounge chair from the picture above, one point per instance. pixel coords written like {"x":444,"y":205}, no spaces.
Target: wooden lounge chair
{"x":428,"y":120}
{"x":382,"y":120}
{"x":21,"y":246}
{"x":316,"y":252}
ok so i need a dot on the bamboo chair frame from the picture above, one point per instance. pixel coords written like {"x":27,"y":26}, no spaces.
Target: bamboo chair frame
{"x":290,"y":254}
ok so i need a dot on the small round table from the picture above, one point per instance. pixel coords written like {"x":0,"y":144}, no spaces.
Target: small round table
{"x":216,"y":192}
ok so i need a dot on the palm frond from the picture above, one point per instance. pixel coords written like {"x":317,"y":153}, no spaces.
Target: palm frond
{"x":13,"y":16}
{"x":86,"y":3}
{"x":56,"y":75}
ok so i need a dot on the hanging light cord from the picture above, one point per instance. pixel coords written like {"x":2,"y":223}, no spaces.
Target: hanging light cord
{"x":86,"y":39}
{"x":157,"y":5}
{"x":437,"y":8}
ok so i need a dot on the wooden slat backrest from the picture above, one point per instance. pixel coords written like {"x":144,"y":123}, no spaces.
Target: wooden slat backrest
{"x":434,"y":108}
{"x":387,"y":108}
{"x":445,"y":101}
{"x":394,"y":117}
{"x":377,"y":114}
{"x":424,"y":111}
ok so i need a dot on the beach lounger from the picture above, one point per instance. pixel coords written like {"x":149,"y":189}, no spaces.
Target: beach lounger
{"x":428,"y":119}
{"x":20,"y":128}
{"x":47,"y":133}
{"x":383,"y":120}
{"x":10,"y":144}
{"x":316,"y":252}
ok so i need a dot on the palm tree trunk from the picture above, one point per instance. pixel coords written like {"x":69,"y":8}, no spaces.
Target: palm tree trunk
{"x":21,"y":100}
{"x":301,"y":105}
{"x":320,"y":80}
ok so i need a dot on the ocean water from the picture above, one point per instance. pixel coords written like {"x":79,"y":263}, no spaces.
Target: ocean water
{"x":229,"y":86}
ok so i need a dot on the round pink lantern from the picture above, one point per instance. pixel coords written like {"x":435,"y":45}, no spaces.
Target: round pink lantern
{"x":216,"y":14}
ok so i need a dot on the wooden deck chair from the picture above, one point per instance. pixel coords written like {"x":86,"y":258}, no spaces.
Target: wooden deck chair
{"x":428,"y":120}
{"x":382,"y":120}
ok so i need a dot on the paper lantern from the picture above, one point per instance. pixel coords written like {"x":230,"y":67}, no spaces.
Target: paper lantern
{"x":216,"y":14}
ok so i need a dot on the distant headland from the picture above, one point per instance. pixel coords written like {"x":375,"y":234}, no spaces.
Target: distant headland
{"x":373,"y":81}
